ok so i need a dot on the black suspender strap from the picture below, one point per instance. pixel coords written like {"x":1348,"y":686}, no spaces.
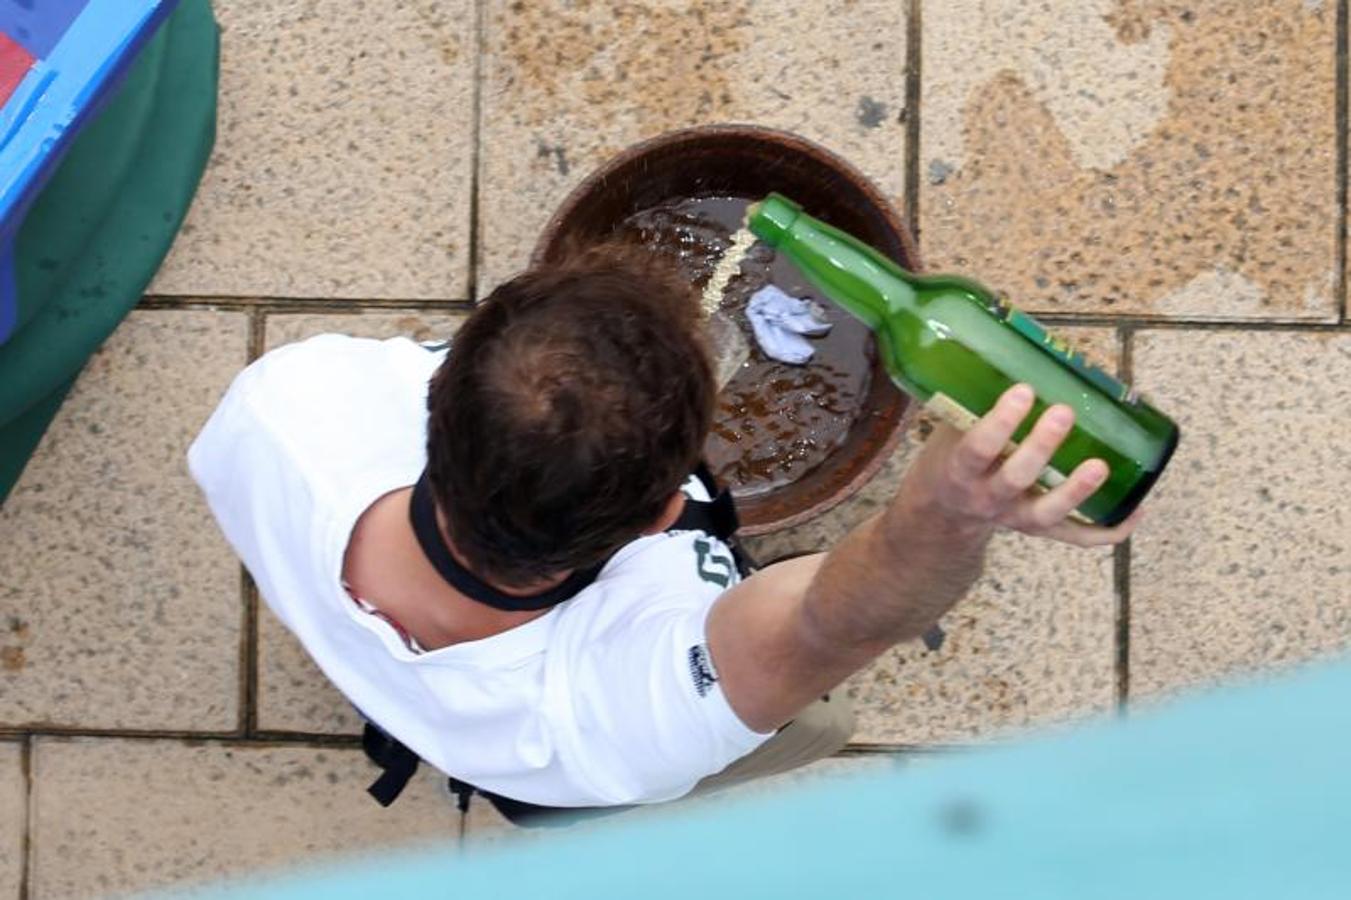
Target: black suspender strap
{"x":422,"y":512}
{"x":716,"y":517}
{"x":399,"y":764}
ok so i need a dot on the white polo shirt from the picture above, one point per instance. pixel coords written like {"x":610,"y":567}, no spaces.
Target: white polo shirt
{"x":609,"y":698}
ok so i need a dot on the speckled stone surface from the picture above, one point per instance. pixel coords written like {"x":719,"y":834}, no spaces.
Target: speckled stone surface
{"x":121,"y":600}
{"x":1134,"y":156}
{"x":343,"y":158}
{"x":13,"y":817}
{"x":486,"y":827}
{"x":112,"y":816}
{"x":293,"y":695}
{"x":1032,"y":643}
{"x":1246,"y":563}
{"x":568,"y":85}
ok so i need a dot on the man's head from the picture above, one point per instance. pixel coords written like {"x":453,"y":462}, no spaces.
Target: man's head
{"x":574,"y":402}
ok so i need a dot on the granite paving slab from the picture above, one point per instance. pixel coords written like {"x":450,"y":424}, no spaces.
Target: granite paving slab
{"x":568,"y":85}
{"x":1134,"y":156}
{"x":120,"y":601}
{"x":343,"y":159}
{"x":1246,"y":564}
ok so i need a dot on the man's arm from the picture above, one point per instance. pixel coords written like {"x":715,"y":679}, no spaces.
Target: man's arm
{"x":794,"y":631}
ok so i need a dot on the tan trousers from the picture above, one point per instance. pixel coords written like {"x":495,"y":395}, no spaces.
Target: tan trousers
{"x":819,"y":731}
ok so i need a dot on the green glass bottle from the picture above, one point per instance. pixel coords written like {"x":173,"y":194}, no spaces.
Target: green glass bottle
{"x":951,"y":344}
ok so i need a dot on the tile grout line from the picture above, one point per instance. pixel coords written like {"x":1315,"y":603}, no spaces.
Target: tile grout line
{"x":1121,"y":563}
{"x":1342,"y":160}
{"x":867,"y":748}
{"x":230,"y":738}
{"x":1144,"y":323}
{"x":913,"y":33}
{"x":231,"y":303}
{"x":293,"y":305}
{"x":475,"y":153}
{"x":1121,"y":577}
{"x":257,"y":335}
{"x":248,"y":652}
{"x":248,"y":592}
{"x":27,"y":843}
{"x":292,"y":738}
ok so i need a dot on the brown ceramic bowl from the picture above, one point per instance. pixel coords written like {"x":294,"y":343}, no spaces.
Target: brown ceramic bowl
{"x":748,"y":161}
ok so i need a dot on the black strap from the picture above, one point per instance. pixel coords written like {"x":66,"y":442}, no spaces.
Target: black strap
{"x":530,"y":815}
{"x":422,"y":511}
{"x":398,"y":762}
{"x":717,"y":517}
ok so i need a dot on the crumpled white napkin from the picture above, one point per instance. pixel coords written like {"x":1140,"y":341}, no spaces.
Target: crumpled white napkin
{"x":780,"y":321}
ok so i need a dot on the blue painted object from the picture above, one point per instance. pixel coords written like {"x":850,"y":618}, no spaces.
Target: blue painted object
{"x":39,"y":25}
{"x":1241,"y":793}
{"x":91,"y":215}
{"x":80,"y":50}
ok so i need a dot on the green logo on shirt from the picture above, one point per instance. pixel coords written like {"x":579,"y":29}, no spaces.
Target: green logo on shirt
{"x":713,"y":567}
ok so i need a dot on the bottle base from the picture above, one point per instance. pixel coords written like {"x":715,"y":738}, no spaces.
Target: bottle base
{"x":1142,"y":487}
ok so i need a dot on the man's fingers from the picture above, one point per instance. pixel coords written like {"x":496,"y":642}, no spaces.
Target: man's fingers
{"x":986,"y":440}
{"x":1023,"y":467}
{"x":1051,"y":508}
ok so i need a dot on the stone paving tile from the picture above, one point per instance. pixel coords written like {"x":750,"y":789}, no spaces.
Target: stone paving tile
{"x":1032,"y":643}
{"x":113,"y":816}
{"x":293,"y":695}
{"x":1247,"y":562}
{"x":1135,"y":156}
{"x":13,"y":817}
{"x":343,"y":158}
{"x":569,"y":85}
{"x":486,"y":827}
{"x":121,"y":600}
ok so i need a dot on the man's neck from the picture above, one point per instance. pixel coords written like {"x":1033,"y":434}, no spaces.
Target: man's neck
{"x":385,"y":566}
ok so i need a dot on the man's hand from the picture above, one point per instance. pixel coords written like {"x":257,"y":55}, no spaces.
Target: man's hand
{"x":968,"y":478}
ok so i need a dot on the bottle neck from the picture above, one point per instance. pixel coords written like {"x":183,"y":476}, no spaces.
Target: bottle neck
{"x":858,"y":278}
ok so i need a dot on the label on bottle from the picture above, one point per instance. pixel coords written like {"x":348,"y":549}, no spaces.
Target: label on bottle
{"x":1058,"y":347}
{"x":943,"y":407}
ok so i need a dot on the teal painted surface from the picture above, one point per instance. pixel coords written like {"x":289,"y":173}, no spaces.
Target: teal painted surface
{"x":94,"y":238}
{"x":1241,"y":793}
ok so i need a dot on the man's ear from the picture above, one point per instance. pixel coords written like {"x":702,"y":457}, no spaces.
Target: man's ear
{"x":674,"y":507}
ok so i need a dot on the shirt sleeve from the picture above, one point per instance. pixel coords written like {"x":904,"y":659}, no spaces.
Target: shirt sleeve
{"x":638,"y":709}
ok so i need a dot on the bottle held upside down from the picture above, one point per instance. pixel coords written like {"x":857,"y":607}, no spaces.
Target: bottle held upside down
{"x":953,"y":345}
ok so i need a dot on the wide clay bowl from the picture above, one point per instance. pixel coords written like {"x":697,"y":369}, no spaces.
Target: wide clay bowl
{"x":749,"y":161}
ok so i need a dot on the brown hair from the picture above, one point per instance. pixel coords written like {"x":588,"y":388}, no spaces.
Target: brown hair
{"x":573,"y":403}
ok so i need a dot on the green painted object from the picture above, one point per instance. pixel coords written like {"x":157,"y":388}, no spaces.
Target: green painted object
{"x":103,"y":224}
